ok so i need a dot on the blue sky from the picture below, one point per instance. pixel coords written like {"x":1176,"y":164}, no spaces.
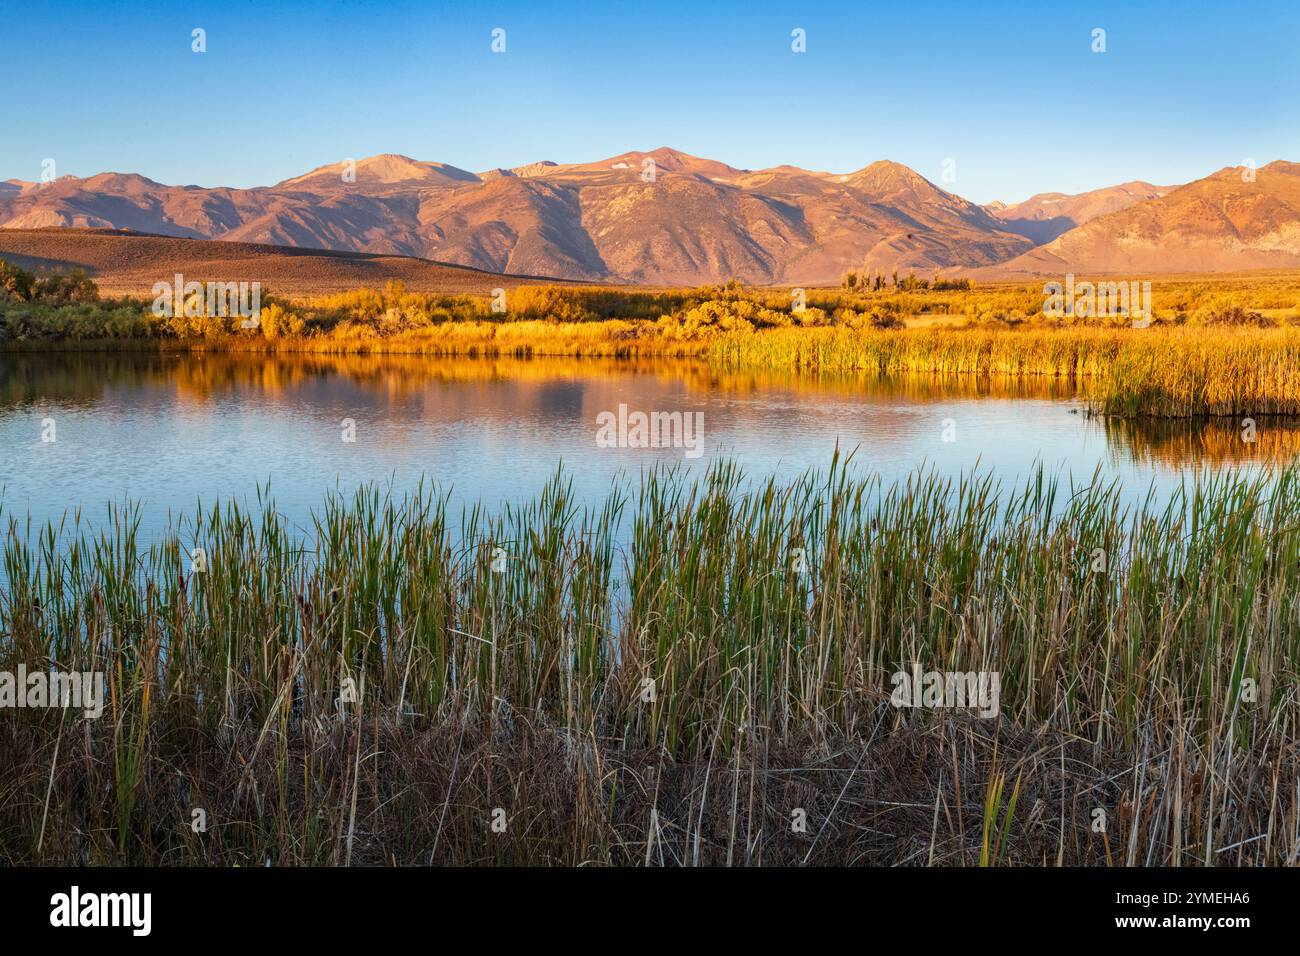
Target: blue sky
{"x":1011,"y":91}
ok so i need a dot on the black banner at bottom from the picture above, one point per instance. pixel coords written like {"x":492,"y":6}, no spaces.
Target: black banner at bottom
{"x":352,"y":905}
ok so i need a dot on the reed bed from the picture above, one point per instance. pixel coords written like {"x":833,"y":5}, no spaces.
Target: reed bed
{"x":1158,"y":372}
{"x":674,"y":675}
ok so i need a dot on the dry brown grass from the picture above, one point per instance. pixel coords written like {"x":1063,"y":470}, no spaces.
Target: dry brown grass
{"x":910,"y":794}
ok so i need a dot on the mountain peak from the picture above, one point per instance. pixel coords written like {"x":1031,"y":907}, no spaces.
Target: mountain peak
{"x":389,"y":161}
{"x":533,"y":169}
{"x":887,"y":173}
{"x":892,"y":182}
{"x":668,"y":160}
{"x":387,"y":169}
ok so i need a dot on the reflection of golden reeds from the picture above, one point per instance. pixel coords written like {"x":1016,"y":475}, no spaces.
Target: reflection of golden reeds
{"x":1176,"y":443}
{"x":200,"y":378}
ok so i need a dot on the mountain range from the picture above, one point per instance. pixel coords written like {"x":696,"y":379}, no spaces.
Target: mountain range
{"x":668,"y":218}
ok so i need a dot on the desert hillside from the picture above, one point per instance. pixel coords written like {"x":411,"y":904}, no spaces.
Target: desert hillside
{"x":129,"y":264}
{"x":1233,"y":220}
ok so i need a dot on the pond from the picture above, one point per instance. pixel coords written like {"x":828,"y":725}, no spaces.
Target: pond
{"x":81,"y":429}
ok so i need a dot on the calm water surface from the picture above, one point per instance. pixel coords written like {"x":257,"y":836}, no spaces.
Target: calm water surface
{"x":167,"y":430}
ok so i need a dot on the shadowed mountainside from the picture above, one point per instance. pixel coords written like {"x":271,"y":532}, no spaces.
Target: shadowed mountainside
{"x":1235,"y":219}
{"x":1043,"y":217}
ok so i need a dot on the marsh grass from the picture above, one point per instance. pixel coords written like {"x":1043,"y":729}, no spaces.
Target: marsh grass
{"x":666,"y":676}
{"x":1157,"y":372}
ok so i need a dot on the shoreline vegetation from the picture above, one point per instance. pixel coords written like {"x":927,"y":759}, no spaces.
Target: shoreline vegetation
{"x":1214,"y":348}
{"x":682,"y":673}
